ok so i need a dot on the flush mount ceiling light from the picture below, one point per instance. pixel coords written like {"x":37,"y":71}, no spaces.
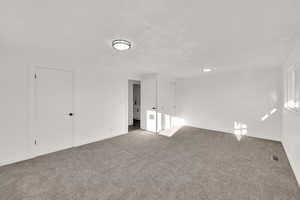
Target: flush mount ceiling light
{"x":121,"y":45}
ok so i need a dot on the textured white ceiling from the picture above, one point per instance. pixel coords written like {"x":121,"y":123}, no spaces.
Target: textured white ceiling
{"x":168,"y":36}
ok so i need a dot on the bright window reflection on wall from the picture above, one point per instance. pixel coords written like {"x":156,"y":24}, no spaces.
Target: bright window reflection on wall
{"x":167,"y":121}
{"x":240,"y":129}
{"x":177,"y":121}
{"x":267,"y":115}
{"x":163,"y":122}
{"x":292,"y":84}
{"x":159,"y":122}
{"x":172,"y":121}
{"x":151,"y":121}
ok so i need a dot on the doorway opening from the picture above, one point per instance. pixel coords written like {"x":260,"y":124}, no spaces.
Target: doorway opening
{"x":134,"y":105}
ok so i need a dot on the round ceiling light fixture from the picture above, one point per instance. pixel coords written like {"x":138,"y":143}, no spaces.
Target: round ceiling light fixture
{"x":121,"y":45}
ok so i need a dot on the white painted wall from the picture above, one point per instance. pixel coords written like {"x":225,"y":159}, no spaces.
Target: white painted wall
{"x":166,"y":95}
{"x":100,"y":108}
{"x":14,"y":113}
{"x":291,"y":121}
{"x":215,"y":100}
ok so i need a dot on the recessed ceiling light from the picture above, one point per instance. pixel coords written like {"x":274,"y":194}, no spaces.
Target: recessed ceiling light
{"x":121,"y":45}
{"x":206,"y":70}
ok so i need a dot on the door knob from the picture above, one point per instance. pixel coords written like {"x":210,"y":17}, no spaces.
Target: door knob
{"x":71,"y":114}
{"x":153,"y":108}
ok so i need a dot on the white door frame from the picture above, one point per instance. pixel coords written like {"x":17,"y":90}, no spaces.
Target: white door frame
{"x":140,"y":82}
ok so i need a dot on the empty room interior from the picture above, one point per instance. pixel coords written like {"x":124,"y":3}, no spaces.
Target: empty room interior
{"x":148,"y":100}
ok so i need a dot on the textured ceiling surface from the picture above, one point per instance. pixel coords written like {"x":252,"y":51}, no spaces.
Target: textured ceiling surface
{"x":168,"y":36}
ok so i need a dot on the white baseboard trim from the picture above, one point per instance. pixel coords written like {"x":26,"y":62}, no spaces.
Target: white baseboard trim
{"x":16,"y":160}
{"x":81,"y":143}
{"x":28,"y":157}
{"x":229,"y":132}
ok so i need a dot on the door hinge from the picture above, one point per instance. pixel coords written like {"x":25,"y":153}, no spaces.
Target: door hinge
{"x":35,"y":76}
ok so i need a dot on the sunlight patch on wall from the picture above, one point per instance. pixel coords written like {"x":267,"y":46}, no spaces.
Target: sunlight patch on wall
{"x":266,"y":116}
{"x":163,"y":122}
{"x":292,"y":89}
{"x":151,"y":120}
{"x":159,"y":121}
{"x":167,"y":121}
{"x":171,"y":125}
{"x":263,"y":118}
{"x":273,"y":111}
{"x":292,"y":104}
{"x":177,"y":121}
{"x":240,"y":129}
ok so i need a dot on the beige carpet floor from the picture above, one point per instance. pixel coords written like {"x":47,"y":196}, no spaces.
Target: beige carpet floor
{"x":193,"y":164}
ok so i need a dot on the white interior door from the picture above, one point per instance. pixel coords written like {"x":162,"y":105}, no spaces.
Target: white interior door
{"x":149,"y":115}
{"x":53,"y":110}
